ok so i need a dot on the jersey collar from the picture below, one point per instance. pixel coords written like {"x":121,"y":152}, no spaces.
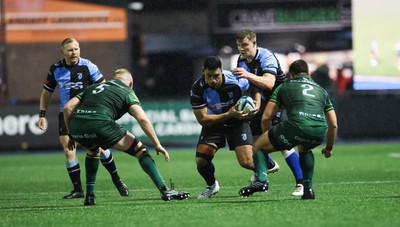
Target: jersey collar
{"x":302,"y":75}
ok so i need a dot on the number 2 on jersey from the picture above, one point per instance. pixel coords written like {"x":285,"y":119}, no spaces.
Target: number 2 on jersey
{"x":307,"y":89}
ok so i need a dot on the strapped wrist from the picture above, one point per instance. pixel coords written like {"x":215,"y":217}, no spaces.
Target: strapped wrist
{"x":42,"y":113}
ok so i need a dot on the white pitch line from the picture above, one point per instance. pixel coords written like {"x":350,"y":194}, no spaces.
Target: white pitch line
{"x":143,"y":190}
{"x":394,"y":155}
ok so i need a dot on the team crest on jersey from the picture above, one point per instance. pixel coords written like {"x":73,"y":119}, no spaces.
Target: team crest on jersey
{"x":244,"y":136}
{"x":80,"y":76}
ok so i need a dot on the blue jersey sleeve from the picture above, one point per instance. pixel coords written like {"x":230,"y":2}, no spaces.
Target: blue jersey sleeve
{"x":230,"y":78}
{"x":95,"y":74}
{"x":269,"y":63}
{"x":244,"y":84}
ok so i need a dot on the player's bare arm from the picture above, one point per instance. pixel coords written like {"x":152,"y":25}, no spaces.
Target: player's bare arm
{"x":138,"y":113}
{"x":331,"y":120}
{"x":45,"y":99}
{"x":265,"y":82}
{"x":256,"y":94}
{"x":68,"y":109}
{"x":270,"y":110}
{"x":204,"y":118}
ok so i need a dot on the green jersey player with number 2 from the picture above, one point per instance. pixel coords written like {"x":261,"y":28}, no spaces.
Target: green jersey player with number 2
{"x":311,"y":119}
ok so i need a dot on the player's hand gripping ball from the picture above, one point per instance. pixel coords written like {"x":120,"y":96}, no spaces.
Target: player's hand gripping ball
{"x":246,"y":104}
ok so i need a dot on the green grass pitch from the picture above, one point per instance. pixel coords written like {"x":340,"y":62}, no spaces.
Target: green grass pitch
{"x":358,"y":186}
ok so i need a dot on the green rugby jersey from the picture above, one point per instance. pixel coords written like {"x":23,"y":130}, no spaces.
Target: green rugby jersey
{"x":105,"y":101}
{"x":304,"y":100}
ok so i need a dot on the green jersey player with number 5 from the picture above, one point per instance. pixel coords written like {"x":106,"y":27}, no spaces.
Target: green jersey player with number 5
{"x":311,"y":119}
{"x":90,"y":119}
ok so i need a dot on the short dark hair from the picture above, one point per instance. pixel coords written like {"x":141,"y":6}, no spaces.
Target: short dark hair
{"x":297,"y":67}
{"x":211,"y":63}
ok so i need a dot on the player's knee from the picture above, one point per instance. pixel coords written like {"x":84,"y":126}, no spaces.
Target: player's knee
{"x":137,"y":149}
{"x":92,"y":153}
{"x":69,"y":152}
{"x":89,"y":155}
{"x":145,"y":156}
{"x":201,"y":162}
{"x":247,"y":164}
{"x":244,"y":155}
{"x":204,"y":154}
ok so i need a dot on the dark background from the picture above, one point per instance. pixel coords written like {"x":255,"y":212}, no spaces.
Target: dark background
{"x":167,"y":41}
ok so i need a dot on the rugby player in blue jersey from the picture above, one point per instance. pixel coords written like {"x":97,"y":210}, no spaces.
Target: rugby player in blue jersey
{"x":261,"y":67}
{"x":71,"y":75}
{"x":213,"y":98}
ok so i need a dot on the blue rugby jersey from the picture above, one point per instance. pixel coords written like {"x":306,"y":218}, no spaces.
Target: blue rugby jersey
{"x":265,"y":61}
{"x":218,"y":100}
{"x":71,"y":80}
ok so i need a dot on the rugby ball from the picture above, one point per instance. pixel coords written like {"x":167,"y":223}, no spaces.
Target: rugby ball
{"x":246,"y":104}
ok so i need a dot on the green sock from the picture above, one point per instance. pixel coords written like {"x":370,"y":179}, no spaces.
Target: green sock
{"x":307,"y":167}
{"x":148,"y":165}
{"x":92,"y":165}
{"x":260,"y":165}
